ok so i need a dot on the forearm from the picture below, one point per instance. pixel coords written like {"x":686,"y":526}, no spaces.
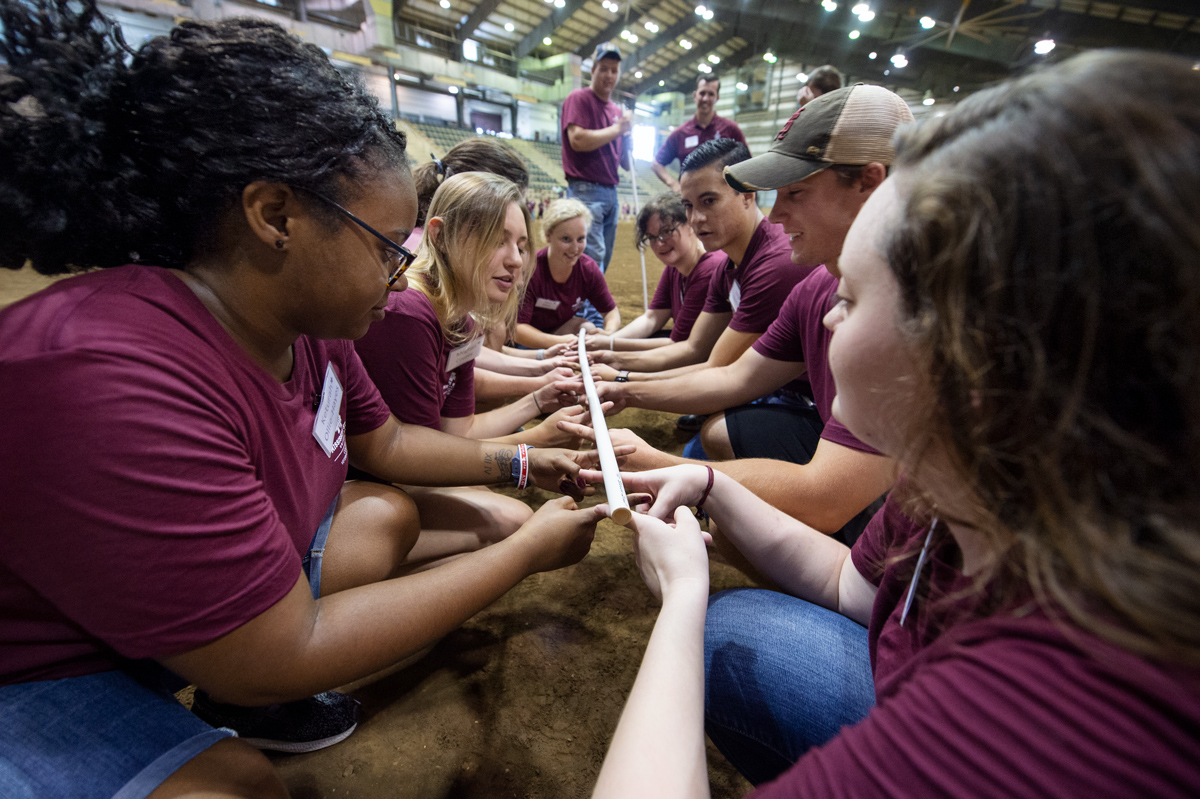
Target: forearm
{"x":679,"y":353}
{"x":612,"y":321}
{"x":503,"y":420}
{"x":509,"y":364}
{"x":529,"y":336}
{"x":640,"y":344}
{"x":639,"y":328}
{"x":497,"y":386}
{"x":802,"y":561}
{"x":416,"y":455}
{"x":658,"y":748}
{"x":583,"y":140}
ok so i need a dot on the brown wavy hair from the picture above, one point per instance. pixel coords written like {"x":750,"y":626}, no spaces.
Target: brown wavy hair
{"x":477,"y":154}
{"x":1048,"y":256}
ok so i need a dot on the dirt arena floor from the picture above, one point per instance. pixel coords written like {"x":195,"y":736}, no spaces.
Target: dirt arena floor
{"x":521,"y":701}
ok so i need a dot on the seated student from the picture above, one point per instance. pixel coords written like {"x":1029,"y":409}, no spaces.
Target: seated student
{"x":1017,"y":326}
{"x":829,"y":477}
{"x":184,"y":423}
{"x":562,"y":280}
{"x":466,"y":278}
{"x":683,"y":287}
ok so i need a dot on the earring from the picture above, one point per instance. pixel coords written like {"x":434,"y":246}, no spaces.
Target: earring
{"x":279,"y":244}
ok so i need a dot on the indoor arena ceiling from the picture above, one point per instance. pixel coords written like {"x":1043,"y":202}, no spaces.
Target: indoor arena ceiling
{"x":946,"y":42}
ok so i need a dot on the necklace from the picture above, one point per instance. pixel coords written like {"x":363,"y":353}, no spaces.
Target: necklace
{"x":912,"y":587}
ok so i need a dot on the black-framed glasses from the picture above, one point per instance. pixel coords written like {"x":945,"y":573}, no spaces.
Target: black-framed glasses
{"x":662,"y":237}
{"x":400,"y":258}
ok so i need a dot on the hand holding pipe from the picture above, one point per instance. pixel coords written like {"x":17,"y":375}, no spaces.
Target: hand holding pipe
{"x":618,"y":503}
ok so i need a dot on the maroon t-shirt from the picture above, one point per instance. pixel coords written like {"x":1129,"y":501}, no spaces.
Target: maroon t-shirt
{"x":585,"y":109}
{"x":421,"y":375}
{"x":755,"y":290}
{"x":799,"y":335}
{"x":998,"y":707}
{"x":690,"y":135}
{"x":685,"y":295}
{"x":549,"y":304}
{"x":159,"y":486}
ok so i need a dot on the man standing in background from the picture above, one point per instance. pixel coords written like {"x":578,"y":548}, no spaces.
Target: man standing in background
{"x":704,"y":126}
{"x":820,"y":81}
{"x":593,"y":129}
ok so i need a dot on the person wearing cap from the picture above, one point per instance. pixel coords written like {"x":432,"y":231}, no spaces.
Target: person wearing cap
{"x":593,"y":146}
{"x":704,"y":126}
{"x":828,"y":159}
{"x":820,"y":81}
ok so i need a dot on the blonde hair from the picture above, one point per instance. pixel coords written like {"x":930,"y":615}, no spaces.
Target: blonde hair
{"x":564,"y":211}
{"x":452,"y":263}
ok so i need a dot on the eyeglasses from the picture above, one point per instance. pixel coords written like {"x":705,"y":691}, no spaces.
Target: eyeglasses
{"x":399,"y":258}
{"x":662,"y":237}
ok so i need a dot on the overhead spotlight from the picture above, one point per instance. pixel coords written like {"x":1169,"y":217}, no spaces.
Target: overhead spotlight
{"x":508,"y":26}
{"x":700,"y":11}
{"x":802,"y":77}
{"x":928,"y":22}
{"x":867,"y":15}
{"x":633,"y":37}
{"x":444,"y":4}
{"x":705,"y":68}
{"x":899,"y":61}
{"x":685,"y":44}
{"x":928,"y":101}
{"x":560,"y":3}
{"x":741,"y":87}
{"x":770,"y":57}
{"x":955,"y":88}
{"x":625,"y":34}
{"x":662,"y":83}
{"x":829,"y":5}
{"x":453,"y":90}
{"x":854,"y":34}
{"x":709,"y":14}
{"x":859,"y":9}
{"x":638,"y":74}
{"x":714,"y":58}
{"x":1044,"y":46}
{"x":887,"y":72}
{"x":872,"y":55}
{"x":650,"y":26}
{"x":547,"y":41}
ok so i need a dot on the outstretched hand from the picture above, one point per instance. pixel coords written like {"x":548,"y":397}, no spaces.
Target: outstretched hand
{"x":668,"y":554}
{"x":667,"y":489}
{"x":560,"y":533}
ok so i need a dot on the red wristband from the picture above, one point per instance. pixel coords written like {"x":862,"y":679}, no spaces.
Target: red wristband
{"x":707,"y":488}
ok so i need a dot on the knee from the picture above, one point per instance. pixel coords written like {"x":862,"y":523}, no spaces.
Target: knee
{"x":509,"y":516}
{"x":227,"y":768}
{"x":398,"y":512}
{"x":714,"y":435}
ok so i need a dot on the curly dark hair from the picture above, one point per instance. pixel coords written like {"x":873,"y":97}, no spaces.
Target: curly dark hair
{"x":668,"y":207}
{"x":477,"y":154}
{"x":1048,"y":258}
{"x":109,"y":156}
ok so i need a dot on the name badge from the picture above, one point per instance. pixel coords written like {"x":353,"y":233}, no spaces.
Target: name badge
{"x":692,"y":141}
{"x":327,"y":427}
{"x":460,"y":355}
{"x":735,"y":295}
{"x":549,"y":305}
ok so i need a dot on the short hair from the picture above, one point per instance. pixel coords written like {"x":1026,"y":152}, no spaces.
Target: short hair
{"x":667,"y":206}
{"x":564,"y":211}
{"x":824,"y":79}
{"x":713,"y":78}
{"x":476,"y":154}
{"x":727,"y":151}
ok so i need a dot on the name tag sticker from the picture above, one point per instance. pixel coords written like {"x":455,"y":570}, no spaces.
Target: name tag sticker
{"x":735,"y":295}
{"x":550,"y":305}
{"x":460,"y":355}
{"x":692,"y":141}
{"x":328,"y":424}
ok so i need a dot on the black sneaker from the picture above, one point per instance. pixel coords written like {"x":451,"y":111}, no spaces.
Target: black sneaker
{"x":691,"y":423}
{"x":305,"y":725}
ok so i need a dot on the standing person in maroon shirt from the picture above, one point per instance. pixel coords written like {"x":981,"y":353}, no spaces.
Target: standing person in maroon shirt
{"x":563,"y":279}
{"x":704,"y":126}
{"x":682,"y":288}
{"x":1017,"y":326}
{"x":593,"y":146}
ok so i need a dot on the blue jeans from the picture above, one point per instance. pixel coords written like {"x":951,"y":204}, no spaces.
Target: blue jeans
{"x":781,"y":676}
{"x":602,"y":235}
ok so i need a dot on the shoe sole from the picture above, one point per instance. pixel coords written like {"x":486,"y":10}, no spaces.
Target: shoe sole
{"x":299,"y":747}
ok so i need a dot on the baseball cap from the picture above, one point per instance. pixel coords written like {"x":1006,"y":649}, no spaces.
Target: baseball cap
{"x":606,"y":50}
{"x":851,"y":126}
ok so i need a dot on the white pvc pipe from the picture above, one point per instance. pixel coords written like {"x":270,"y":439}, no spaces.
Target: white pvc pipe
{"x":618,"y":503}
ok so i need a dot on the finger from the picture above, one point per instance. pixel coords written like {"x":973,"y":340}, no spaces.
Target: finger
{"x":686,"y":520}
{"x":570,"y":490}
{"x":591,"y":475}
{"x":579,"y":430}
{"x":639,"y":499}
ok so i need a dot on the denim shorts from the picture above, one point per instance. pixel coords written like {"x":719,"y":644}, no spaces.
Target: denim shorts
{"x":112,"y":735}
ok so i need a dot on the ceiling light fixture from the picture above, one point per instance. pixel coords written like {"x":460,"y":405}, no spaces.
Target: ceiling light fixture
{"x":1044,"y":46}
{"x":928,"y":22}
{"x":854,"y":34}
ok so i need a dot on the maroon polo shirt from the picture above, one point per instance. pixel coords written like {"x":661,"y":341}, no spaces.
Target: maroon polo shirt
{"x":690,"y":135}
{"x":585,"y":109}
